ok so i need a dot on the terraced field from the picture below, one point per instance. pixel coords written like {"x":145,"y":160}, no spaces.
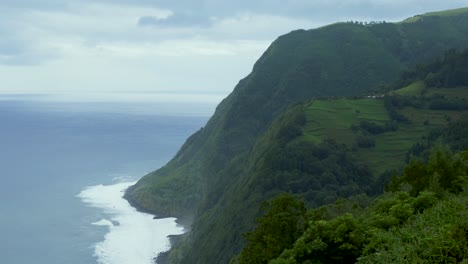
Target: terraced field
{"x":334,"y":119}
{"x":459,"y":92}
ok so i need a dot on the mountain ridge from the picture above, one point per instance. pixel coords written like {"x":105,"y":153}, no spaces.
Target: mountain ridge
{"x":344,"y":59}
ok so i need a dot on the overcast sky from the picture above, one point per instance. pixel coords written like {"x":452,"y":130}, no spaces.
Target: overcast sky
{"x":182,"y":46}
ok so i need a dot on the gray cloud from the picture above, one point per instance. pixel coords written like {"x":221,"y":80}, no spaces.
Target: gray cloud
{"x":307,"y":8}
{"x":176,"y":20}
{"x":190,"y":18}
{"x":199,"y":12}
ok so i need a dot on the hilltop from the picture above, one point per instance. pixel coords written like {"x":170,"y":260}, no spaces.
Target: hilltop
{"x":445,"y":13}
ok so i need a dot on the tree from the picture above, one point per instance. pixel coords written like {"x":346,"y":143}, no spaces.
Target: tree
{"x":283,"y":222}
{"x":443,"y":169}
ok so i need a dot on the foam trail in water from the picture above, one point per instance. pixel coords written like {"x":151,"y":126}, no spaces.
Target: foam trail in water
{"x":134,"y":237}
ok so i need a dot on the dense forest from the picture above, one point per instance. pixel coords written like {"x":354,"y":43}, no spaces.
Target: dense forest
{"x":305,"y":123}
{"x":422,"y":218}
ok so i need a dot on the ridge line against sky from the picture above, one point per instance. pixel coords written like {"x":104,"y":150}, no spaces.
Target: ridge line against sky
{"x":181,"y":46}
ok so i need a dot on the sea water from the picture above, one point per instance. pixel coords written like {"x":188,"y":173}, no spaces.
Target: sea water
{"x":64,"y":164}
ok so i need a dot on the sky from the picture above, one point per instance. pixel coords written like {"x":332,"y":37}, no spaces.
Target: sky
{"x":161,"y":46}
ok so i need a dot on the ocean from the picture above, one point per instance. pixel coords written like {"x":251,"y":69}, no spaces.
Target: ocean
{"x":64,"y":163}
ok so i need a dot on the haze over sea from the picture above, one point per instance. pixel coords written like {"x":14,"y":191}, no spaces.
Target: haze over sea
{"x":64,"y":162}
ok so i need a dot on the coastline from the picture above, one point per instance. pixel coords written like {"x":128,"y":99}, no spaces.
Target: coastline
{"x":133,"y":236}
{"x":184,"y":222}
{"x":162,"y":257}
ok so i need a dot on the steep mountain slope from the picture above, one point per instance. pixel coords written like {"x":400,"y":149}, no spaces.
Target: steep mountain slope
{"x":378,"y":132}
{"x":210,"y":178}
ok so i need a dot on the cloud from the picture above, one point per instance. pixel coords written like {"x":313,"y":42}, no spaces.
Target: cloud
{"x":177,"y":20}
{"x":33,"y":36}
{"x":28,"y":57}
{"x":18,"y":47}
{"x":258,"y":26}
{"x":161,"y":45}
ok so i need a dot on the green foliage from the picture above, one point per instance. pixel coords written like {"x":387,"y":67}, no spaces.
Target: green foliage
{"x":371,"y":127}
{"x":291,"y":127}
{"x":336,"y":241}
{"x":450,"y":71}
{"x":455,"y":134}
{"x":396,"y":228}
{"x":444,"y":103}
{"x":392,"y":105}
{"x":443,"y":169}
{"x":281,"y":224}
{"x":363,"y":141}
{"x":436,"y":236}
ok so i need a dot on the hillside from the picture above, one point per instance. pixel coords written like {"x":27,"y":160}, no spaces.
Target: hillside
{"x":378,"y":133}
{"x":350,"y":121}
{"x":224,"y":171}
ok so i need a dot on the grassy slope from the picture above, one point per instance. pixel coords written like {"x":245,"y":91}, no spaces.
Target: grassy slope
{"x":451,"y":12}
{"x":415,"y":88}
{"x":445,"y":13}
{"x":333,"y":118}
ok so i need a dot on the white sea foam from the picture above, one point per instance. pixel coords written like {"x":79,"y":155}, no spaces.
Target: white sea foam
{"x":134,"y":237}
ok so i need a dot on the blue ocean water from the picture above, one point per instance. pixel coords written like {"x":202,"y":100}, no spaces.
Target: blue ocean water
{"x":50,"y":150}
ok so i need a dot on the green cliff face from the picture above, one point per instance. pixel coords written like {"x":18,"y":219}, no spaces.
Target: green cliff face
{"x":252,"y":149}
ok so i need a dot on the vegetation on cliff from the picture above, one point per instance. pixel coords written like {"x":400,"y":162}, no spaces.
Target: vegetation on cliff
{"x":272,"y":135}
